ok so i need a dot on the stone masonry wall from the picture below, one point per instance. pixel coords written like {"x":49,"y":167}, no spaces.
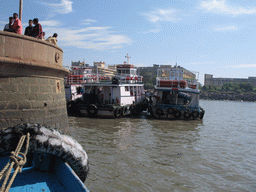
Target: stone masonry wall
{"x":33,"y":100}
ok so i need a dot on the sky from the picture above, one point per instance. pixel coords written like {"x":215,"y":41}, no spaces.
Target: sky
{"x":216,"y":37}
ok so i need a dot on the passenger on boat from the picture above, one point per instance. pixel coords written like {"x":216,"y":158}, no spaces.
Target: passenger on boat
{"x":100,"y":96}
{"x":117,"y":101}
{"x":29,"y":28}
{"x":37,"y":30}
{"x":17,"y":25}
{"x":7,"y":27}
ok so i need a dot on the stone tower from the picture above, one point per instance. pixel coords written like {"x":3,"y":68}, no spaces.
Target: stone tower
{"x":31,"y":82}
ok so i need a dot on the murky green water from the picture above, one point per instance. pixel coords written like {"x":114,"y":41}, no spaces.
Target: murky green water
{"x":215,"y":154}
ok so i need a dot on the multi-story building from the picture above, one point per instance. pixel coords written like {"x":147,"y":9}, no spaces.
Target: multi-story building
{"x":99,"y":68}
{"x":151,"y":72}
{"x":209,"y":80}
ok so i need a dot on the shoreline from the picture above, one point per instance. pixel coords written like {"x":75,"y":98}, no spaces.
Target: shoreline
{"x":228,"y":96}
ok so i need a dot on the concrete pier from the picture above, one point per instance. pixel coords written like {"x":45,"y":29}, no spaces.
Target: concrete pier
{"x":31,"y":82}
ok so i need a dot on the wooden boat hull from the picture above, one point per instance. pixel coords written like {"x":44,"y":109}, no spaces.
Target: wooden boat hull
{"x":60,"y":178}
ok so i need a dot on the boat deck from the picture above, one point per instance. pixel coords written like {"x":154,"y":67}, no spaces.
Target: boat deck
{"x":57,"y":177}
{"x":36,"y":181}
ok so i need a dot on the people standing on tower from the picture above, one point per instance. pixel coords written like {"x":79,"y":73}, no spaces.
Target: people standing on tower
{"x":7,"y":27}
{"x":37,"y":30}
{"x":29,"y":28}
{"x":43,"y":36}
{"x":17,"y":26}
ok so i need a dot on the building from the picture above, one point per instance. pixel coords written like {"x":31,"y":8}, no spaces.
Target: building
{"x":99,"y":68}
{"x":79,"y":63}
{"x":151,"y":72}
{"x":209,"y":80}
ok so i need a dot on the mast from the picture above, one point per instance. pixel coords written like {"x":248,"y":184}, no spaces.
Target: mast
{"x":20,"y":10}
{"x":127,"y":56}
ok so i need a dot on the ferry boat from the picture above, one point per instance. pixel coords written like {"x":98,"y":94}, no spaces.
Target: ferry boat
{"x":79,"y":74}
{"x":114,"y":97}
{"x":176,"y":97}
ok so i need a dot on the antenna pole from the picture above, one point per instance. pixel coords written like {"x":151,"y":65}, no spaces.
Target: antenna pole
{"x":127,"y":56}
{"x":20,"y":10}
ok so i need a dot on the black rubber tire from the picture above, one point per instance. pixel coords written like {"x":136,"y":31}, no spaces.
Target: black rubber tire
{"x":177,"y":114}
{"x":202,"y":114}
{"x":159,"y":112}
{"x":117,"y":112}
{"x":170,"y":110}
{"x":124,"y":110}
{"x":135,"y":110}
{"x":195,"y":114}
{"x":46,"y":140}
{"x":92,"y":110}
{"x":186,"y":115}
{"x":150,"y":110}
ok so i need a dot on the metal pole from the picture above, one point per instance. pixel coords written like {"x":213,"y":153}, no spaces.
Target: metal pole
{"x":20,"y":10}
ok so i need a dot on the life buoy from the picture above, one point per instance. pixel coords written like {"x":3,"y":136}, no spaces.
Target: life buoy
{"x":195,"y":114}
{"x":187,"y":115}
{"x":159,"y":112}
{"x":46,"y":140}
{"x":177,"y":114}
{"x":92,"y":110}
{"x":117,"y":112}
{"x":170,"y":110}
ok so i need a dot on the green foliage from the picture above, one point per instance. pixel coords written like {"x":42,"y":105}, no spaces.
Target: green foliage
{"x":230,"y":87}
{"x":148,"y":85}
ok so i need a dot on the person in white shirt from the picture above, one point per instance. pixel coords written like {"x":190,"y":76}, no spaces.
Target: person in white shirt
{"x":7,"y":26}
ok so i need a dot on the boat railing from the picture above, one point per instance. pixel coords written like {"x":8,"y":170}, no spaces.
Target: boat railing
{"x":193,"y":83}
{"x":166,"y":82}
{"x":128,"y":79}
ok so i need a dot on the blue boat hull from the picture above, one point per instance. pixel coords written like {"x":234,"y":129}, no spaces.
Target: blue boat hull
{"x":51,"y":174}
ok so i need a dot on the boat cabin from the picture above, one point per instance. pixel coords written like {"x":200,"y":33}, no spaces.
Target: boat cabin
{"x":176,"y":86}
{"x":125,"y":88}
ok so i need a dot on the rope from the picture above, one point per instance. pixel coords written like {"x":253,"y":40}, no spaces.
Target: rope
{"x":17,"y":160}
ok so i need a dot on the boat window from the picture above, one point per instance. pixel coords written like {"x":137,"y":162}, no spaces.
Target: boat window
{"x":79,"y":90}
{"x":88,"y":89}
{"x":126,"y":88}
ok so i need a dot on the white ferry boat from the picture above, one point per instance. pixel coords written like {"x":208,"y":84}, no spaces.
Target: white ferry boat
{"x":113,"y":98}
{"x":79,"y":74}
{"x":176,"y":97}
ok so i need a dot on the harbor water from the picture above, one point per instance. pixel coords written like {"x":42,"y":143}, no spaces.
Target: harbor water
{"x":215,"y":154}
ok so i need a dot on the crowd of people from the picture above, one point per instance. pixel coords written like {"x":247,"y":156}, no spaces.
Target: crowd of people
{"x":36,"y":31}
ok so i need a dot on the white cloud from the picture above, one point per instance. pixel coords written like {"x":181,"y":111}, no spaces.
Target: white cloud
{"x":64,"y":7}
{"x":220,"y":6}
{"x":228,"y":28}
{"x":88,"y":22}
{"x":162,"y":15}
{"x":95,"y":38}
{"x":51,"y":23}
{"x":241,"y":66}
{"x":157,"y":30}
